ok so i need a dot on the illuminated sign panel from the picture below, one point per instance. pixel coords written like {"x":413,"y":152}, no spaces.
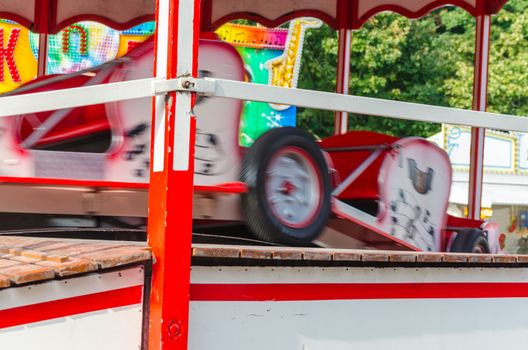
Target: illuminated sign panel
{"x":271,"y":56}
{"x":79,"y":46}
{"x":19,"y":65}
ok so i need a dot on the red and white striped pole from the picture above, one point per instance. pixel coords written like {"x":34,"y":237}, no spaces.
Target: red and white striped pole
{"x":480,"y":92}
{"x":42,"y":54}
{"x":343,"y":77}
{"x":171,"y":175}
{"x":42,"y":12}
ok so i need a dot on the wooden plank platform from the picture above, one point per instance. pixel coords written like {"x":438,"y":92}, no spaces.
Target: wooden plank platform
{"x":26,"y":259}
{"x":238,"y":255}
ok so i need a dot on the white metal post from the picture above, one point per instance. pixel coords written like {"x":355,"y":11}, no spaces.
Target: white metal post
{"x":343,"y":77}
{"x":480,"y":91}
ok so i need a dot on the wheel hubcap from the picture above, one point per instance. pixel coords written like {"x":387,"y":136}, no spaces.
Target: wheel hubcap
{"x":293,"y":187}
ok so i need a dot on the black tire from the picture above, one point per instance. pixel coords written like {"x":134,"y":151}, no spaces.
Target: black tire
{"x":470,"y":241}
{"x":277,"y":222}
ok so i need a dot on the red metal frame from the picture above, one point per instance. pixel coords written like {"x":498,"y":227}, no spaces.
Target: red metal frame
{"x":481,"y":8}
{"x":170,"y":201}
{"x":42,"y":54}
{"x":346,"y":13}
{"x":228,"y":188}
{"x":170,"y":205}
{"x":480,"y":92}
{"x":45,"y":19}
{"x":343,"y":77}
{"x":116,"y":25}
{"x":44,"y":11}
{"x":271,"y":23}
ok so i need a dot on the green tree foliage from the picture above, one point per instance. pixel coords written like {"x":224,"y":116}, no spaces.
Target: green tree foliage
{"x":508,"y":89}
{"x":429,"y":60}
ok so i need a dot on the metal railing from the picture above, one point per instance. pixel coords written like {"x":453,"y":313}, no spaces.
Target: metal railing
{"x":112,"y":92}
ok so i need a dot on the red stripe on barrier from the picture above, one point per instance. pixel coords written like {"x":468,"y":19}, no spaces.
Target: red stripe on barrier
{"x":70,"y":306}
{"x":354,"y":291}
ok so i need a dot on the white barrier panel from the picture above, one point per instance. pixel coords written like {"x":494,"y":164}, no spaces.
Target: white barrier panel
{"x":314,"y":308}
{"x":98,"y":311}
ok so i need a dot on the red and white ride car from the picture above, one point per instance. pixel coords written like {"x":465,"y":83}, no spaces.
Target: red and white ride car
{"x":368,"y":189}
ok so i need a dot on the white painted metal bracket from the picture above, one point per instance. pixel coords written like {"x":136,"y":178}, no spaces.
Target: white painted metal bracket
{"x":205,"y":87}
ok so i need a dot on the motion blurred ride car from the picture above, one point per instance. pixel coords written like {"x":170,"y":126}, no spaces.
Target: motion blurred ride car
{"x":359,"y":189}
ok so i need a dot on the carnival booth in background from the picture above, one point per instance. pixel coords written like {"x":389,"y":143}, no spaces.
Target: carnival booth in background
{"x":505,"y":185}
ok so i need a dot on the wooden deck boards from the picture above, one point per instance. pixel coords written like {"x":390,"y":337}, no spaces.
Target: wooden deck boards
{"x":27,"y":259}
{"x":280,"y":255}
